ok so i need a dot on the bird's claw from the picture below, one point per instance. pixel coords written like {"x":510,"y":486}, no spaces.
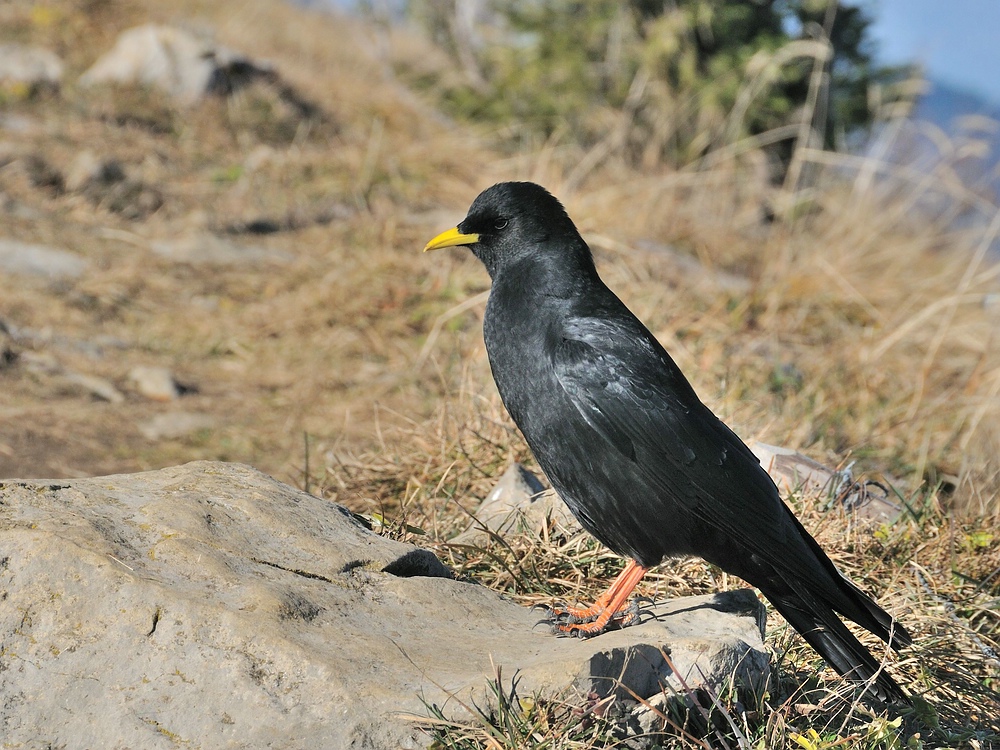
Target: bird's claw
{"x":568,"y":631}
{"x":568,"y":618}
{"x":560,"y":618}
{"x":561,"y":612}
{"x":630,"y":614}
{"x":567,"y":624}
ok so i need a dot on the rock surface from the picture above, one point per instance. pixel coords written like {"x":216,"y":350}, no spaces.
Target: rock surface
{"x":209,"y":605}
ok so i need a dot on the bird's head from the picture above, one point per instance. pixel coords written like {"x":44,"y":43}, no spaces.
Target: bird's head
{"x":511,"y":221}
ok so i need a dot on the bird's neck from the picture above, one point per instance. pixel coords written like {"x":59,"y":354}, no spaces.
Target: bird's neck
{"x":563,"y":270}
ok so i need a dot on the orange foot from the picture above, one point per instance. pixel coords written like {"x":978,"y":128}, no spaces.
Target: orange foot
{"x":611,"y":610}
{"x":565,"y":622}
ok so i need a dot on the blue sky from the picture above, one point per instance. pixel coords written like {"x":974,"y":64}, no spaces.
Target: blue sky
{"x":958,"y":41}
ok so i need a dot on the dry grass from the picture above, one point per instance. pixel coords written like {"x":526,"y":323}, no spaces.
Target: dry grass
{"x":939,"y":575}
{"x":274,"y":349}
{"x":853,"y":330}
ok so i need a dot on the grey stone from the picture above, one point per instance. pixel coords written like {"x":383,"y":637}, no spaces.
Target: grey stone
{"x":209,"y":605}
{"x":175,"y":424}
{"x":95,"y":385}
{"x":26,"y":259}
{"x":518,"y":502}
{"x":32,"y":66}
{"x":156,"y":383}
{"x":17,"y":123}
{"x":106,"y":183}
{"x":687,"y":642}
{"x":88,"y":170}
{"x":184,"y":65}
{"x":46,"y":364}
{"x":864,"y":499}
{"x":84,"y":168}
{"x":207,"y":249}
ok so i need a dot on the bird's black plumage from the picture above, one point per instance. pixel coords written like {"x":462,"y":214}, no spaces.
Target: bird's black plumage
{"x":645,"y":466}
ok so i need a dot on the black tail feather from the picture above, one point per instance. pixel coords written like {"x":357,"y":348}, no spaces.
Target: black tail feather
{"x":888,"y":628}
{"x":855,"y":604}
{"x":825,"y":632}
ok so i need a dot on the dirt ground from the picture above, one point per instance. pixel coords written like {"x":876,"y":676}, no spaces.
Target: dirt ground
{"x":262,"y":246}
{"x":268,"y":259}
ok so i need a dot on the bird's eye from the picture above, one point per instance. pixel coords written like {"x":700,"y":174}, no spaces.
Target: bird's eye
{"x":500,"y":224}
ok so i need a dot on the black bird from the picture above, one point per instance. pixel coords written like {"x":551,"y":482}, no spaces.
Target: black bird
{"x":643,"y":464}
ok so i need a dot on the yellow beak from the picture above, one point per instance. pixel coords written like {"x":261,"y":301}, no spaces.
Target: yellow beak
{"x":451,"y":238}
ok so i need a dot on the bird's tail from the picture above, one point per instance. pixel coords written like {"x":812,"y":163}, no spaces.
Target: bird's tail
{"x":853,"y":603}
{"x":875,"y":619}
{"x":826,"y":633}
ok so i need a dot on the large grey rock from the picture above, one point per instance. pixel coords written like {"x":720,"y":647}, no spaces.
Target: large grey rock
{"x":209,"y":605}
{"x":183,"y":64}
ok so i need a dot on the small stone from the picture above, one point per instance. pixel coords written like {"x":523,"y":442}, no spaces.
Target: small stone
{"x":96,"y":386}
{"x":18,"y":123}
{"x":793,"y":472}
{"x":206,"y":249}
{"x":26,"y":259}
{"x":31,"y":67}
{"x":87,"y":169}
{"x":82,"y":170}
{"x":156,"y":383}
{"x":44,"y":363}
{"x":131,"y":199}
{"x":176,"y":61}
{"x":519,"y":501}
{"x":175,"y":425}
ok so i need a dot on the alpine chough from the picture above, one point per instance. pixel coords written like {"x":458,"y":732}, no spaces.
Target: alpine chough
{"x":643,"y":464}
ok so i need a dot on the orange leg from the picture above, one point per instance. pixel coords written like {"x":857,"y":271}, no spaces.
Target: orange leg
{"x":610,"y":605}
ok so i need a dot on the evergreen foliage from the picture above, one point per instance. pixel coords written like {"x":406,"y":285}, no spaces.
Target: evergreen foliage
{"x":665,"y":80}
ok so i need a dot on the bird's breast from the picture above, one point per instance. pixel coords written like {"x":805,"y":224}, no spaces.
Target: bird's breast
{"x":519,"y":332}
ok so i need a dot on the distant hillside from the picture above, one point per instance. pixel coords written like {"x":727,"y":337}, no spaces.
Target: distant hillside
{"x":954,"y":135}
{"x":944,"y":103}
{"x":965,"y":117}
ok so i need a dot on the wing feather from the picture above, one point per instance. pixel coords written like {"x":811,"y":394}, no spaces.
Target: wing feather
{"x":631,"y":393}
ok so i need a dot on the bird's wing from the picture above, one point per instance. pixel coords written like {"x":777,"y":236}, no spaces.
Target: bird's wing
{"x":626,"y":387}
